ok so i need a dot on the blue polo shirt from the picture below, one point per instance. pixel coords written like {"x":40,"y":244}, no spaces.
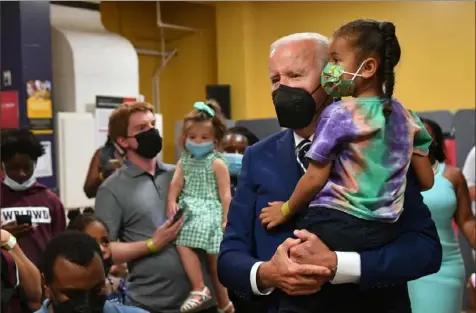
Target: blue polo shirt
{"x":108,"y":308}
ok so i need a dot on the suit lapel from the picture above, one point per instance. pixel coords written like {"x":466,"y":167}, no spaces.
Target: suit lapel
{"x":288,"y":165}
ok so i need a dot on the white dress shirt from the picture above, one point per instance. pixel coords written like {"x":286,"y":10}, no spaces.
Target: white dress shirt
{"x":348,"y":263}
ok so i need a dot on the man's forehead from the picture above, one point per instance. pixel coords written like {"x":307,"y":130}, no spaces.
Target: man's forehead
{"x":235,"y":138}
{"x":70,"y":274}
{"x":294,"y":54}
{"x":139,"y":118}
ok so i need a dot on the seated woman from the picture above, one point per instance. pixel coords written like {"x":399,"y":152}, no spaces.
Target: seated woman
{"x":234,"y":145}
{"x":106,"y":160}
{"x":86,"y":222}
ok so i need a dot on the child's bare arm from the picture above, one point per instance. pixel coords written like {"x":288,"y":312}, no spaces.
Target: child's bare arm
{"x":223,"y":181}
{"x":309,"y":185}
{"x":176,"y":184}
{"x":421,"y":146}
{"x":422,"y":166}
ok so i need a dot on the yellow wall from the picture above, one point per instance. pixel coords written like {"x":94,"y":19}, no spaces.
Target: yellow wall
{"x":436,"y":71}
{"x":183,"y":80}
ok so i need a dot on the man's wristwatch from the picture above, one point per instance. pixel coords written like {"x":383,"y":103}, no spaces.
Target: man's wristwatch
{"x":10,"y":244}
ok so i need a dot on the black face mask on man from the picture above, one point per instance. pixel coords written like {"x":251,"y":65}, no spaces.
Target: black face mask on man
{"x":149,"y":143}
{"x":295,"y":107}
{"x":91,"y":303}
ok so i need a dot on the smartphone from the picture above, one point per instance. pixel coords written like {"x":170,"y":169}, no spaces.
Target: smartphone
{"x":178,"y":215}
{"x":23,"y":219}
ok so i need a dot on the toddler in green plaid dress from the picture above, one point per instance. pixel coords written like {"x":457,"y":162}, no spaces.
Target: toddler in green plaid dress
{"x":201,"y":184}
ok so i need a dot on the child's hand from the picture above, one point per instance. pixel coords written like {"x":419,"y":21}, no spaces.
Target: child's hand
{"x":172,"y":208}
{"x":223,"y":225}
{"x":272,"y":216}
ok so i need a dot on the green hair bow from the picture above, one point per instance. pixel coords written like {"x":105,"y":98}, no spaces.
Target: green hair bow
{"x":202,"y":106}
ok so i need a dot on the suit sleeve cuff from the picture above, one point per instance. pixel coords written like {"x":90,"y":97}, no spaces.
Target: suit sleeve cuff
{"x":348,"y":268}
{"x":254,"y":281}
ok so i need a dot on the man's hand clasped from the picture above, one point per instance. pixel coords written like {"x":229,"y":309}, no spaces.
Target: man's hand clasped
{"x":300,"y":266}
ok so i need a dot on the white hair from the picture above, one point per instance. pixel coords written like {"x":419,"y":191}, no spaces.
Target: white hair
{"x":322,"y":45}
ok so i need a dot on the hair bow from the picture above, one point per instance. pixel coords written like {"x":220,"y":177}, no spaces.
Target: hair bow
{"x":202,"y":106}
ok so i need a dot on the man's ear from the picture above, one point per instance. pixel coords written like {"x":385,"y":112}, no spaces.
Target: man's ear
{"x":369,"y":68}
{"x":122,"y":143}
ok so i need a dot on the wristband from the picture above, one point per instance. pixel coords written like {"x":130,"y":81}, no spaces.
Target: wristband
{"x":10,"y":244}
{"x":151,"y":246}
{"x":285,"y":209}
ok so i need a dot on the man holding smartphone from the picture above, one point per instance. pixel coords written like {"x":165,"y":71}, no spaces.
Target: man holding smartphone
{"x":132,"y":203}
{"x":29,"y":211}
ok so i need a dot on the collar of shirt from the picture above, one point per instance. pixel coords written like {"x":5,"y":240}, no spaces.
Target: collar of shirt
{"x":135,"y":170}
{"x":298,"y":139}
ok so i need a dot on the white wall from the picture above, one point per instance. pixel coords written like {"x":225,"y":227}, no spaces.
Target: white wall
{"x":88,"y":60}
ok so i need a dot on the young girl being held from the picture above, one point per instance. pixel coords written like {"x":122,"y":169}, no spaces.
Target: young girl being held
{"x":201,"y":187}
{"x":360,"y":154}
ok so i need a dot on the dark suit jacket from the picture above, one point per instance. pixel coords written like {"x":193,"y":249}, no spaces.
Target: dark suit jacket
{"x":270,"y":173}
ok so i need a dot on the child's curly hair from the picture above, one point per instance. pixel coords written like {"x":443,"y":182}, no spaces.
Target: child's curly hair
{"x":200,"y":116}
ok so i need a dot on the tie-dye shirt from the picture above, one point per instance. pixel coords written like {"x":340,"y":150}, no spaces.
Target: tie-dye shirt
{"x":371,"y":156}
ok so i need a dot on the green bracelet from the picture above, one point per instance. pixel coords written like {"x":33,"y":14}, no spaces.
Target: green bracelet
{"x":151,"y":246}
{"x":285,"y":209}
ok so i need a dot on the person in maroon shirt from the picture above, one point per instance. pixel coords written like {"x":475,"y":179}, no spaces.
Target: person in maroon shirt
{"x":21,"y":194}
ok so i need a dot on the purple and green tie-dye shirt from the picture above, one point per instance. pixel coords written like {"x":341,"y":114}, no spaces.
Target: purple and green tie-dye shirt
{"x":371,"y":156}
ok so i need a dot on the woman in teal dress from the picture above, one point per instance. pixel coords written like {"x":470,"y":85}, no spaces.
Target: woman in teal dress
{"x":442,"y":292}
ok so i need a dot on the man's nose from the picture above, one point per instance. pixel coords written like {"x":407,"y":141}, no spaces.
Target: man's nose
{"x":284,"y":80}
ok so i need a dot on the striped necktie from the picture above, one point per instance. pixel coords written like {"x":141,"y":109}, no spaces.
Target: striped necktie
{"x":301,"y":150}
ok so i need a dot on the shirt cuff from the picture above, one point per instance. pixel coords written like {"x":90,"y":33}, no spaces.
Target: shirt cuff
{"x":348,"y":268}
{"x":254,"y":281}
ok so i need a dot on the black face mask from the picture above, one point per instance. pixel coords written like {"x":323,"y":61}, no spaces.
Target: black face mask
{"x":150,"y":143}
{"x":107,"y":265}
{"x":295,"y":107}
{"x":89,"y":304}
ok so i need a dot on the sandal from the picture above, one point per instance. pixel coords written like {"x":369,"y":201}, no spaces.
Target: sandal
{"x":192,"y":304}
{"x":228,"y":309}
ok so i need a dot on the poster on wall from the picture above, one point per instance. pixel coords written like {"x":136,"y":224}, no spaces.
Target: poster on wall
{"x":44,"y":164}
{"x":39,"y":107}
{"x":9,"y":110}
{"x":105,"y":105}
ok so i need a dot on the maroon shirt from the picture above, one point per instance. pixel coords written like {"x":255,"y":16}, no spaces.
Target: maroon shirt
{"x":9,"y":285}
{"x":47,"y":216}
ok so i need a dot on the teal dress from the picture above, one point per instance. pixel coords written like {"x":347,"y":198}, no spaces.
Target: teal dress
{"x":203,"y":212}
{"x":441,"y":292}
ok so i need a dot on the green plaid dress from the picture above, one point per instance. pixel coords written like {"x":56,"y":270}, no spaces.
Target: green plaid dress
{"x":203,"y":215}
